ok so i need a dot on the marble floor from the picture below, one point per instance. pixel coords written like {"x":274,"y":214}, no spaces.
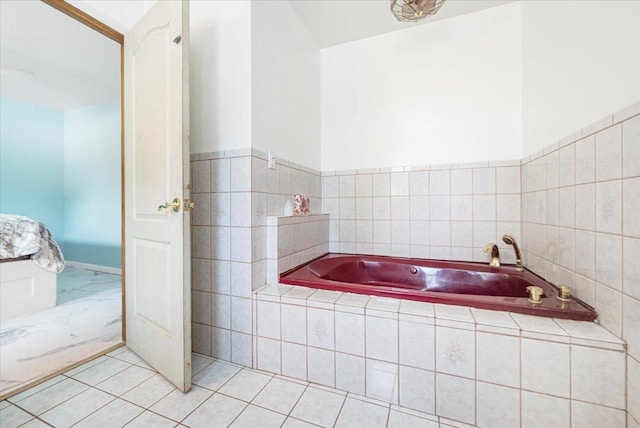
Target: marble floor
{"x":86,"y":320}
{"x":119,"y":389}
{"x":76,"y":283}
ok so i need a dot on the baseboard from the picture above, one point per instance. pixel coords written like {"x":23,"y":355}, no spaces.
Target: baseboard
{"x":89,"y":266}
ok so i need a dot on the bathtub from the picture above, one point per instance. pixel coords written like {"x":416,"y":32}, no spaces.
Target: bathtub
{"x":455,"y":283}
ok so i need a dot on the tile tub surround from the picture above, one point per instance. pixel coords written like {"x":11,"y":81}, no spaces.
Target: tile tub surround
{"x":581,"y":227}
{"x":234,"y":192}
{"x":447,"y":212}
{"x":228,"y":326}
{"x":473,"y":366}
{"x":294,"y":240}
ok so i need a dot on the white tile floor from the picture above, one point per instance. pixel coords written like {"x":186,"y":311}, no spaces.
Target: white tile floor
{"x":119,"y":389}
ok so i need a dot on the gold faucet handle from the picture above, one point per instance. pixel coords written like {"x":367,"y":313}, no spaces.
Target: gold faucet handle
{"x":492,"y":249}
{"x":565,"y":293}
{"x":489,"y":247}
{"x":535,"y":294}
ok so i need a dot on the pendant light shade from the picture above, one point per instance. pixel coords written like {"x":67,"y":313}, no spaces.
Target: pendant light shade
{"x":415,"y":10}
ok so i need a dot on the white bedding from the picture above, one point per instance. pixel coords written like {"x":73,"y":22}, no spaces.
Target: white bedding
{"x":22,"y":236}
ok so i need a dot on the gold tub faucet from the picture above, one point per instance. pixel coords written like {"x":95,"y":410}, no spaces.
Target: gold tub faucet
{"x":495,"y":254}
{"x":509,"y":240}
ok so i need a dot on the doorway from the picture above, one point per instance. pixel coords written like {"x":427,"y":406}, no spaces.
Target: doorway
{"x":62,"y":166}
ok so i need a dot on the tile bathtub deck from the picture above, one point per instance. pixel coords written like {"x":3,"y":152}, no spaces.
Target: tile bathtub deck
{"x":119,"y":389}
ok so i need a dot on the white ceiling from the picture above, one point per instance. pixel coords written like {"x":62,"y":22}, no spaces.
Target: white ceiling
{"x":333,"y":22}
{"x":74,"y":66}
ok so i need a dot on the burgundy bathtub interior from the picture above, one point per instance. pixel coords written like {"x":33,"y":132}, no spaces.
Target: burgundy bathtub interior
{"x":456,"y":283}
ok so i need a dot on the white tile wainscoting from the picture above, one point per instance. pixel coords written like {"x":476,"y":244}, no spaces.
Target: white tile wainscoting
{"x":482,"y":368}
{"x":294,"y":240}
{"x":574,"y":204}
{"x":447,"y":212}
{"x":234,"y":192}
{"x":580,"y":226}
{"x":580,"y":219}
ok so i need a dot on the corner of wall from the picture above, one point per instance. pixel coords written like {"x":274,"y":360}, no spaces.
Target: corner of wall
{"x":285,"y":84}
{"x":220,"y":75}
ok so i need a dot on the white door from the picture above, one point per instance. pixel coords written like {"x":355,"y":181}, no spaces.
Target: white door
{"x":157,"y":244}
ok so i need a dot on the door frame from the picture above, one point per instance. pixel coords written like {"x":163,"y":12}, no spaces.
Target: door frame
{"x":104,"y":29}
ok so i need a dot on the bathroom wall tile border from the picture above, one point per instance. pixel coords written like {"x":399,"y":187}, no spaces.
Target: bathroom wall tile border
{"x":431,"y":167}
{"x":221,"y":154}
{"x":627,"y":112}
{"x":597,"y":126}
{"x":249,"y":151}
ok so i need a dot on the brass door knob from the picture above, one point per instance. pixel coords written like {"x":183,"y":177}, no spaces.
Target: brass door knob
{"x":174,"y":205}
{"x":565,"y":293}
{"x":535,"y":294}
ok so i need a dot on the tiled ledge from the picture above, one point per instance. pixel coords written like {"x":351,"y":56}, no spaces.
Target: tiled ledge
{"x":582,"y":333}
{"x":295,"y":219}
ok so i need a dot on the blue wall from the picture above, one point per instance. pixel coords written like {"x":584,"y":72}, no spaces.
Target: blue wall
{"x":64,"y":170}
{"x":92,"y":184}
{"x":32,"y":164}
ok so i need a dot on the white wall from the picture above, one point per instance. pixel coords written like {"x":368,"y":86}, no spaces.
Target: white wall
{"x":220,"y":67}
{"x":220,"y":75}
{"x":449,"y":91}
{"x":581,"y":61}
{"x":285,"y":84}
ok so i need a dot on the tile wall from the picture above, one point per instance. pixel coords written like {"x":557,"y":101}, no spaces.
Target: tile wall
{"x":234,"y":192}
{"x":292,"y":241}
{"x":581,"y":224}
{"x":482,"y":368}
{"x":574,"y":205}
{"x":440,"y":211}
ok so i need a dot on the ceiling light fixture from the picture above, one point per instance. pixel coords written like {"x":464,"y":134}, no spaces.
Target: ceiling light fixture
{"x":414,"y":10}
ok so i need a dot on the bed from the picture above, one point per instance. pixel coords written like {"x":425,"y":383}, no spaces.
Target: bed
{"x":29,"y":262}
